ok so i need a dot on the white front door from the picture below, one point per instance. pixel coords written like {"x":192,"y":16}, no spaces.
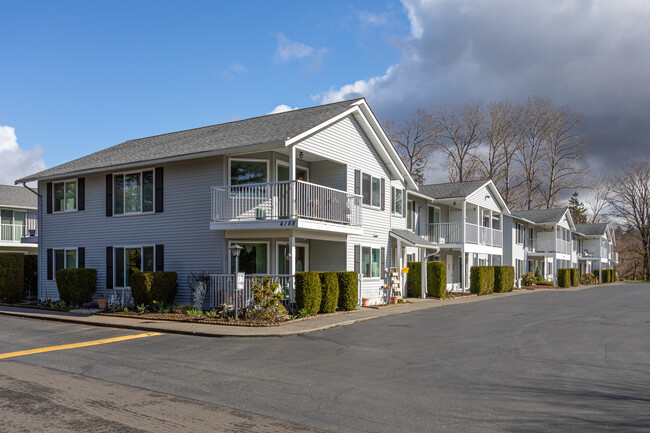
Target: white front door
{"x":450,"y":272}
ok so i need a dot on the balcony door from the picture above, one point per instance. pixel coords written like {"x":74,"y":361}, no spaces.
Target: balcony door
{"x":302,"y":258}
{"x":283,"y":173}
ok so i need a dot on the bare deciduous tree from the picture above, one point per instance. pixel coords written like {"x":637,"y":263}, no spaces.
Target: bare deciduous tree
{"x":599,"y":199}
{"x":414,"y":141}
{"x":562,"y":154}
{"x":460,"y":135}
{"x":630,"y":202}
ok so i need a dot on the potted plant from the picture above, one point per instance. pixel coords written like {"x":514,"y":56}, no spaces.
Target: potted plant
{"x":365,"y":302}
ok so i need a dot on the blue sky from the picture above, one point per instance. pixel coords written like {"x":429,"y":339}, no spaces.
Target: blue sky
{"x":80,"y":76}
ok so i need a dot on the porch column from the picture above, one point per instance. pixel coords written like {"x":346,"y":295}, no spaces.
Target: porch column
{"x":398,"y":264}
{"x":292,"y":262}
{"x":423,"y":272}
{"x":292,"y":183}
{"x":491,"y":228}
{"x":478,"y":224}
{"x":462,"y":249}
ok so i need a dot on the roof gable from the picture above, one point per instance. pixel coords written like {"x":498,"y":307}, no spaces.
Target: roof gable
{"x":463,"y":190}
{"x":17,"y":197}
{"x":543,"y":216}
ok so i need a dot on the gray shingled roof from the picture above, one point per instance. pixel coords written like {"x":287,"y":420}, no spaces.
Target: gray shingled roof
{"x":17,"y":196}
{"x":591,"y":229}
{"x":452,"y":190}
{"x":412,"y":238}
{"x":265,"y":130}
{"x":541,"y":216}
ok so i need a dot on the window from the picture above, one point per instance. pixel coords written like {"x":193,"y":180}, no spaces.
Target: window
{"x":253,"y":259}
{"x":370,"y":262}
{"x":246,"y":171}
{"x":65,"y":196}
{"x":397,"y":201}
{"x":521,"y":234}
{"x":410,"y":215}
{"x":370,"y":190}
{"x":133,"y":192}
{"x":65,"y":259}
{"x":12,"y":225}
{"x":129,"y":260}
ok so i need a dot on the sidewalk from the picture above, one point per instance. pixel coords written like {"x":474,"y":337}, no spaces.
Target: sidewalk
{"x":317,"y":323}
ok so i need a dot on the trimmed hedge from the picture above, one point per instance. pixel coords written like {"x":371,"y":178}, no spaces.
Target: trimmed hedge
{"x":76,"y":285}
{"x":30,"y":285}
{"x":308,"y":292}
{"x":504,"y":278}
{"x":436,"y":280}
{"x":481,"y":280}
{"x":564,"y":277}
{"x":606,"y":276}
{"x":596,"y":273}
{"x":575,"y":277}
{"x":348,"y":290}
{"x":147,"y":287}
{"x":12,"y":275}
{"x":329,"y":292}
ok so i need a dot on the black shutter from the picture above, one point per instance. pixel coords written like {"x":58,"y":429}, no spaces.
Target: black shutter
{"x":159,"y":189}
{"x":50,"y":265}
{"x":160,"y":258}
{"x":383,"y":194}
{"x":109,"y":198}
{"x":109,"y":267}
{"x":357,"y":259}
{"x":357,"y":181}
{"x":81,"y":193}
{"x":49,"y":198}
{"x":404,"y":204}
{"x":81,"y":257}
{"x":382,"y":262}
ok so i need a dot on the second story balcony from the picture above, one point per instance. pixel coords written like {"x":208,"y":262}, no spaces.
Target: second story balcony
{"x":19,"y":227}
{"x":452,"y":233}
{"x":290,"y":204}
{"x":548,"y":245}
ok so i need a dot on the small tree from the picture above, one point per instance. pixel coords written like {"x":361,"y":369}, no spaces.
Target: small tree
{"x":577,"y":210}
{"x":538,"y":275}
{"x":268,"y":297}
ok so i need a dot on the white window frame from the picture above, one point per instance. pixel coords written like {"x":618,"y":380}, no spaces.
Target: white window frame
{"x":229,"y":171}
{"x":13,"y":224}
{"x":280,"y":162}
{"x":125,"y":173}
{"x":76,"y":198}
{"x":371,"y":248}
{"x":65,"y":251}
{"x":394,"y":201}
{"x":250,"y":241}
{"x":126,"y":247}
{"x":410,"y":204}
{"x":371,"y":191}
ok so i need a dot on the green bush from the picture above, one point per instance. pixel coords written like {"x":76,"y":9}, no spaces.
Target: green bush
{"x":436,"y":280}
{"x":308,"y":292}
{"x":596,"y":273}
{"x":30,"y":282}
{"x":147,"y":287}
{"x":528,"y":279}
{"x":329,"y":291}
{"x":76,"y":285}
{"x":606,"y":276}
{"x":575,"y":277}
{"x":564,"y":277}
{"x":12,"y":275}
{"x":268,"y":301}
{"x":348,"y":290}
{"x":538,"y":275}
{"x":588,"y":279}
{"x":615,"y":275}
{"x":504,"y":278}
{"x":545,"y":283}
{"x":414,"y":280}
{"x":481,"y":280}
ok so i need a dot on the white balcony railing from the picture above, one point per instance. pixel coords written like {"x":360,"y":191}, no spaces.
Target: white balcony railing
{"x":541,"y":245}
{"x":31,"y":223}
{"x":563,"y":247}
{"x":11,"y":232}
{"x":452,"y":233}
{"x":471,"y":233}
{"x":272,"y":200}
{"x":446,"y":233}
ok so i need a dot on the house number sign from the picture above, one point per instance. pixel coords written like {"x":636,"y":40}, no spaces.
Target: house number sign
{"x":288,"y":223}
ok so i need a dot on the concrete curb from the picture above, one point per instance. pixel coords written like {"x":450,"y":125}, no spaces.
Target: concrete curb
{"x":320,"y":323}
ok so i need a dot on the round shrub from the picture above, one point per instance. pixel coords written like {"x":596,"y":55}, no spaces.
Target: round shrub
{"x":528,"y":279}
{"x":147,"y":287}
{"x":76,"y":286}
{"x":12,"y":275}
{"x":308,"y":292}
{"x":348,"y":290}
{"x":329,"y":292}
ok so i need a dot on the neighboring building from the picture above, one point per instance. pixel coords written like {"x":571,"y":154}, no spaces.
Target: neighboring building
{"x":18,"y":220}
{"x":464,"y":219}
{"x":596,"y":248}
{"x":319,"y":189}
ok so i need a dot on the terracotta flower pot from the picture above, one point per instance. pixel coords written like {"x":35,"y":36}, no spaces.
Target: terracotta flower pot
{"x":394,"y":299}
{"x":365,"y":302}
{"x":102,"y":304}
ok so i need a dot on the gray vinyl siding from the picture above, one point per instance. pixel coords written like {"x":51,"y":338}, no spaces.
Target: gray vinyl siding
{"x":330,"y":174}
{"x":183,"y":228}
{"x":326,"y":256}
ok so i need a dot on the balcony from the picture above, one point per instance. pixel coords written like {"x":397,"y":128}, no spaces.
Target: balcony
{"x":452,"y":233}
{"x":273,"y":204}
{"x":546,"y":245}
{"x":25,"y":231}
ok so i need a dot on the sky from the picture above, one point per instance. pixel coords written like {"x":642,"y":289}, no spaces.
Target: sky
{"x":77,"y":77}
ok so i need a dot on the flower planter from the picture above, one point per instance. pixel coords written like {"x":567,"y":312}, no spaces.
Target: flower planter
{"x":365,"y":302}
{"x":394,"y":299}
{"x":102,"y":304}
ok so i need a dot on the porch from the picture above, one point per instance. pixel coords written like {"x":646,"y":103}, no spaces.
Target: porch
{"x":452,"y":233}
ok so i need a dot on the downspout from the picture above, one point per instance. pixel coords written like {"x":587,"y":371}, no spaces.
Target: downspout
{"x":40,"y":233}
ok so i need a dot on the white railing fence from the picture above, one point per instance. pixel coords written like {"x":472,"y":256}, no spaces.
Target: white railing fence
{"x":541,"y":245}
{"x":471,"y":233}
{"x":563,"y":247}
{"x":446,"y":233}
{"x":31,"y":223}
{"x":223,"y":290}
{"x":11,"y":232}
{"x":272,"y":200}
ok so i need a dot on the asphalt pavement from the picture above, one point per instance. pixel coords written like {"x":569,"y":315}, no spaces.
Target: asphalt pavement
{"x":546,"y":362}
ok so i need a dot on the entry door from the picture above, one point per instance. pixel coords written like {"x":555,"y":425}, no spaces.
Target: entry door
{"x":450,"y":272}
{"x":302,"y":259}
{"x":283,"y":173}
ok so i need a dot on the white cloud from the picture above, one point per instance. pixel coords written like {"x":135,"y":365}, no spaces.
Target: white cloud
{"x":372,"y":19}
{"x":581,"y":54}
{"x":232,"y":69}
{"x":288,"y":50}
{"x":14,"y":161}
{"x":282,"y":108}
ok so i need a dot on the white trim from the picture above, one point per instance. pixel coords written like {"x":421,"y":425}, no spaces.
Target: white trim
{"x":370,"y":206}
{"x":249,"y":241}
{"x":76,"y":195}
{"x":141,"y":212}
{"x":126,"y":247}
{"x":229,"y":167}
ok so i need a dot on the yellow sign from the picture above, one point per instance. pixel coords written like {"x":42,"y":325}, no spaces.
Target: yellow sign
{"x":405,"y":270}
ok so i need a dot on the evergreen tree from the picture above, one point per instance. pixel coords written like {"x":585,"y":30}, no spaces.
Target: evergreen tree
{"x":577,"y":209}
